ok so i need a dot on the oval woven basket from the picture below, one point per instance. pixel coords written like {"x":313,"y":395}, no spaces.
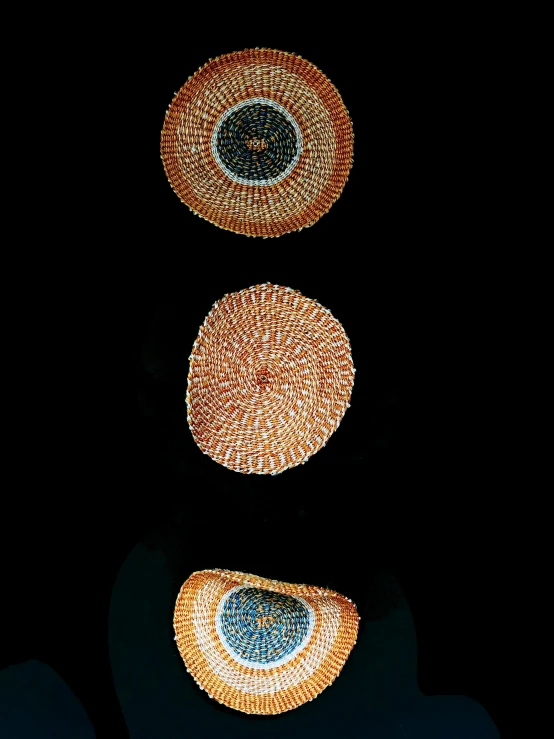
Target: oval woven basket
{"x":262,"y":646}
{"x":270,"y":378}
{"x":258,"y":142}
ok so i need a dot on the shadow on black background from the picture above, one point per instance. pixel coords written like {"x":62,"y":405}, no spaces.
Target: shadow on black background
{"x":403,"y":259}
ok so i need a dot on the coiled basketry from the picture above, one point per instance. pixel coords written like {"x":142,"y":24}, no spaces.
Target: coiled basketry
{"x":270,"y":379}
{"x":259,"y":645}
{"x":258,"y":142}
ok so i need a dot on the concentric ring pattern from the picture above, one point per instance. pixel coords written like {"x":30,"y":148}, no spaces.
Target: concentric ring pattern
{"x":259,"y":645}
{"x":270,"y":378}
{"x":258,"y":142}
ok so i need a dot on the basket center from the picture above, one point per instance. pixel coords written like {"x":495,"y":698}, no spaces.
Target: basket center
{"x":256,"y":144}
{"x":263,"y":622}
{"x":262,"y":377}
{"x":260,"y":627}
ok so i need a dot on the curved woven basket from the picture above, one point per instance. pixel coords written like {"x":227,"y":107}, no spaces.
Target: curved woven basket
{"x":259,"y":645}
{"x":270,"y":378}
{"x":258,"y":142}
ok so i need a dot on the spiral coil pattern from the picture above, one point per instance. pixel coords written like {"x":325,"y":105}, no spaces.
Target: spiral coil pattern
{"x":258,"y":142}
{"x":259,"y":645}
{"x":260,"y":627}
{"x":269,"y":381}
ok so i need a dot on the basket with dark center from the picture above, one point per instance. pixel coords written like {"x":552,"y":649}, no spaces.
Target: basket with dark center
{"x":269,"y":381}
{"x":258,"y":142}
{"x":262,"y":646}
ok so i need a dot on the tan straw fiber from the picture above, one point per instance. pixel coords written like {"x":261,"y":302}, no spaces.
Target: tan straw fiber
{"x":269,"y":381}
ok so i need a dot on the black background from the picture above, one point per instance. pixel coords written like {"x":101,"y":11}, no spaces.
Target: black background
{"x":407,"y":260}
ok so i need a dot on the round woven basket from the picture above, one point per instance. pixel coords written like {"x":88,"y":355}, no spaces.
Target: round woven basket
{"x":258,"y":142}
{"x":259,"y":645}
{"x":270,"y":378}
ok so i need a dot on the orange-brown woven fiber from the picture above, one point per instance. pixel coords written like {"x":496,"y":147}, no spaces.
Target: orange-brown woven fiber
{"x":258,"y":142}
{"x":270,"y":379}
{"x":259,"y":645}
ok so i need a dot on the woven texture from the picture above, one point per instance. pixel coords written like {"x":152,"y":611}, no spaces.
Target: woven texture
{"x":258,"y":142}
{"x":269,"y":381}
{"x":259,"y":645}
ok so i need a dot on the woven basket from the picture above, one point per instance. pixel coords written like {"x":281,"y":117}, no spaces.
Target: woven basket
{"x":259,"y":645}
{"x":270,"y":378}
{"x":258,"y":142}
